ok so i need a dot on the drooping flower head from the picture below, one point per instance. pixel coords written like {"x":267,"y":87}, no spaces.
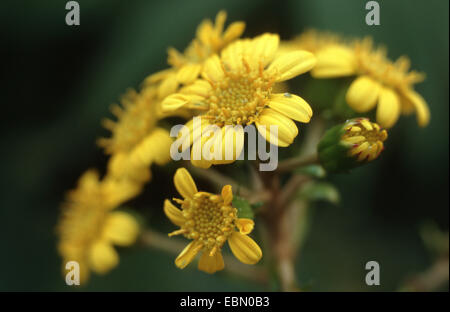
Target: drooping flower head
{"x":135,"y":136}
{"x":88,"y":228}
{"x":351,"y":144}
{"x":379,"y":80}
{"x":236,"y":89}
{"x":209,"y":220}
{"x":187,"y":66}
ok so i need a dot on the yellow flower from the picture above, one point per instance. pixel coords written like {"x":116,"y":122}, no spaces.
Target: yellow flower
{"x":187,"y":66}
{"x":379,"y":81}
{"x":236,"y":89}
{"x":88,"y":228}
{"x":209,"y":220}
{"x":134,"y":137}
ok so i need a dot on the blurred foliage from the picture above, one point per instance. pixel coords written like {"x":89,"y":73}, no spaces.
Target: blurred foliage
{"x":58,"y":82}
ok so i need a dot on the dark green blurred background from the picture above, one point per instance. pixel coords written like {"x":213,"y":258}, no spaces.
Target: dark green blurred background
{"x":58,"y":82}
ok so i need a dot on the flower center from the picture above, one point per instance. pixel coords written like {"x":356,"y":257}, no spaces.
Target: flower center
{"x":239,"y":97}
{"x":209,"y":221}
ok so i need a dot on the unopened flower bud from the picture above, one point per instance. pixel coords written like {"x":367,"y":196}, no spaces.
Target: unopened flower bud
{"x":351,"y":144}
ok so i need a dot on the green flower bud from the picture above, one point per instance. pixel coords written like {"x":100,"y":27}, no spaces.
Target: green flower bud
{"x":351,"y":144}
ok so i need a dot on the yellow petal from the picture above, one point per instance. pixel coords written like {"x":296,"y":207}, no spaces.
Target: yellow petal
{"x":161,"y":139}
{"x":213,"y":69}
{"x":287,"y":130}
{"x":204,"y":164}
{"x":204,"y":31}
{"x":188,"y":254}
{"x":420,"y":105}
{"x":334,"y":61}
{"x":264,"y":48}
{"x":146,"y":153}
{"x":184,"y":183}
{"x":373,"y":152}
{"x":362,"y":95}
{"x":233,"y":31}
{"x":245,"y":225}
{"x":199,"y":87}
{"x":211,"y":264}
{"x":233,"y":54}
{"x":173,"y":102}
{"x":232,"y":144}
{"x":199,"y":141}
{"x":291,"y":64}
{"x":173,"y":213}
{"x":168,"y":86}
{"x":220,"y":21}
{"x":195,"y":131}
{"x":388,"y":109}
{"x":121,"y":228}
{"x":188,"y":73}
{"x":291,"y":106}
{"x":354,"y":151}
{"x":244,"y":248}
{"x":102,"y":257}
{"x":118,"y":191}
{"x":157,"y":77}
{"x":227,"y":194}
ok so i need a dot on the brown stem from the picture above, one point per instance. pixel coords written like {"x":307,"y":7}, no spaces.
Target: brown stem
{"x":279,"y":228}
{"x":295,"y":162}
{"x":174,"y":246}
{"x":291,"y":187}
{"x":430,"y":280}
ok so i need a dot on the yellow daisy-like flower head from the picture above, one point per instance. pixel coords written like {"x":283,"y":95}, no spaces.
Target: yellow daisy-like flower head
{"x":236,"y":89}
{"x":88,"y":228}
{"x":379,"y":80}
{"x":209,"y":220}
{"x":135,"y":135}
{"x":186,"y":67}
{"x":136,"y":119}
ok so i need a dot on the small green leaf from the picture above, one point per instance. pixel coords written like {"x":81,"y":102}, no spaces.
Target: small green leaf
{"x":320,"y":191}
{"x":315,"y":171}
{"x":243,"y":206}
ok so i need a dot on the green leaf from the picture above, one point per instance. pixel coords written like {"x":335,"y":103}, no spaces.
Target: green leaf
{"x":315,"y":171}
{"x":243,"y":206}
{"x":315,"y":190}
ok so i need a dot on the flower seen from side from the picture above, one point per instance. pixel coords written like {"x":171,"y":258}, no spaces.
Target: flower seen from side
{"x":380,"y":83}
{"x":88,"y":227}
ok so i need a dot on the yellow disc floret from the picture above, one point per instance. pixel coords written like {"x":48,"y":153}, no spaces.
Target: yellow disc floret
{"x":239,"y":97}
{"x":208,"y":220}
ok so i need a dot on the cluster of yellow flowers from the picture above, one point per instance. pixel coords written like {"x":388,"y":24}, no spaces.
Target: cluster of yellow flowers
{"x":223,"y":80}
{"x":378,"y":79}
